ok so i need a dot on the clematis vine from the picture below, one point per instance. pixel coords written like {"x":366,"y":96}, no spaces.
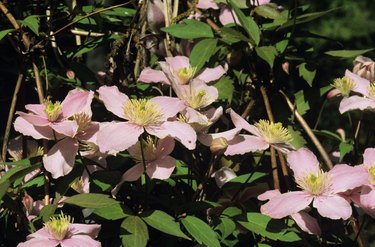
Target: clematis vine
{"x":157,"y":161}
{"x":321,"y":188}
{"x":60,"y":231}
{"x":142,"y":115}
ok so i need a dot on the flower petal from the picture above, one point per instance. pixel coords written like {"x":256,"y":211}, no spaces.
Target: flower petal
{"x":369,"y":157}
{"x":344,"y":177}
{"x":36,"y":132}
{"x":133,"y":174}
{"x":286,"y":204}
{"x":239,"y":122}
{"x":177,"y":62}
{"x":356,"y":103}
{"x":307,"y":223}
{"x":182,"y":132}
{"x":206,"y":139}
{"x":118,"y":136}
{"x":362,"y":84}
{"x":60,"y":158}
{"x":81,"y":241}
{"x":66,"y":128}
{"x":333,"y":207}
{"x":169,"y":106}
{"x":161,"y":168}
{"x":37,"y":109}
{"x":37,"y":242}
{"x":164,"y":147}
{"x":77,"y":101}
{"x":113,"y":100}
{"x":35,"y":120}
{"x":244,"y":144}
{"x":268,"y":195}
{"x":150,"y":75}
{"x":213,"y":74}
{"x":367,"y":197}
{"x":207,"y":4}
{"x":91,"y":230}
{"x":303,"y":161}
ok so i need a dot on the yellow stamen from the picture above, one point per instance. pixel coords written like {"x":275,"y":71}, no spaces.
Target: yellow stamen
{"x":58,"y":226}
{"x":371,"y":91}
{"x":344,"y":85}
{"x":315,"y":184}
{"x":142,"y":112}
{"x":185,"y":74}
{"x":149,"y":150}
{"x":371,"y":171}
{"x":273,"y":133}
{"x":52,"y":110}
{"x":199,"y":99}
{"x":83,"y":121}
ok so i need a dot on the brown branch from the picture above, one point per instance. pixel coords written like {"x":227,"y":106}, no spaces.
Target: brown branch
{"x":248,"y":108}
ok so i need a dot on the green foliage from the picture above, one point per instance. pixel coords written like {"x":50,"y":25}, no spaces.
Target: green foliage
{"x":91,"y":200}
{"x":201,"y":232}
{"x":190,"y":29}
{"x":202,"y":52}
{"x":134,"y":232}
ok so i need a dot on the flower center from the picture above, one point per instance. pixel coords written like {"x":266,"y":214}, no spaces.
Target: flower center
{"x":142,"y":112}
{"x":371,"y":171}
{"x":52,"y":110}
{"x":344,"y":85}
{"x":273,"y":133}
{"x":371,"y":91}
{"x":185,"y":74}
{"x":315,"y":184}
{"x":58,"y":226}
{"x":83,"y":121}
{"x":149,"y":150}
{"x":199,"y":99}
{"x":86,"y":146}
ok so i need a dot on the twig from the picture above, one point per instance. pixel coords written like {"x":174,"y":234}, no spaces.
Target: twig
{"x":309,"y":132}
{"x":248,"y":108}
{"x":11,"y":113}
{"x":320,"y":114}
{"x":86,"y":33}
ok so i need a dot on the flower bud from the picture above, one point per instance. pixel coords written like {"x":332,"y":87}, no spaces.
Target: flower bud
{"x":285,"y":67}
{"x":223,"y":175}
{"x":218,"y":145}
{"x":28,"y":202}
{"x":70,"y":74}
{"x":332,"y":94}
{"x":364,"y":67}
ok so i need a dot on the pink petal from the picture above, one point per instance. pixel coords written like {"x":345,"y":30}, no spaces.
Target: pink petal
{"x":286,"y":204}
{"x":90,"y":133}
{"x":80,"y":241}
{"x":150,"y":75}
{"x":173,"y":80}
{"x":356,"y":103}
{"x":42,"y":233}
{"x":344,"y":177}
{"x":213,"y":74}
{"x":37,"y":109}
{"x":211,"y":92}
{"x":66,"y":128}
{"x":367,"y":197}
{"x":37,"y":242}
{"x":261,"y":2}
{"x":60,"y":158}
{"x":77,"y":101}
{"x":36,"y":132}
{"x":178,"y":62}
{"x":161,"y":168}
{"x":362,"y":84}
{"x":118,"y":136}
{"x":207,"y":4}
{"x":369,"y":157}
{"x":214,"y":113}
{"x":34,"y":119}
{"x":169,"y":106}
{"x":333,"y":207}
{"x":155,"y":15}
{"x":244,"y":144}
{"x":164,"y":147}
{"x":307,"y":223}
{"x":113,"y":100}
{"x":182,"y":132}
{"x":91,"y":230}
{"x":239,"y":122}
{"x":303,"y":161}
{"x":206,"y":139}
{"x":133,"y":174}
{"x":268,"y":195}
{"x":226,"y":16}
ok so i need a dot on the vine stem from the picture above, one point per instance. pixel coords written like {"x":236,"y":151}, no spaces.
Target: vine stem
{"x":144,"y":167}
{"x":309,"y":132}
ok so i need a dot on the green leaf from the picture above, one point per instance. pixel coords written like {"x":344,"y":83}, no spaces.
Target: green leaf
{"x":32,"y":22}
{"x":91,"y":200}
{"x":200,"y":231}
{"x":267,"y":53}
{"x":298,"y":139}
{"x":231,"y":36}
{"x":226,"y":227}
{"x":164,"y":223}
{"x":268,"y":11}
{"x":190,"y":29}
{"x":266,"y":227}
{"x":328,"y":134}
{"x":134,"y":232}
{"x":237,"y":182}
{"x":113,"y":212}
{"x":47,"y":211}
{"x":225,"y":88}
{"x":305,"y":18}
{"x":301,"y":103}
{"x":250,"y":26}
{"x":202,"y":52}
{"x":306,"y":73}
{"x":345,"y":148}
{"x":4,"y":33}
{"x":347,"y":53}
{"x":231,"y":212}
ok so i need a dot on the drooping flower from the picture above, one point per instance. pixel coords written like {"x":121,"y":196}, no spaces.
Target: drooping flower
{"x":305,"y":221}
{"x":142,"y":115}
{"x":321,"y":188}
{"x":365,"y":68}
{"x":61,"y":231}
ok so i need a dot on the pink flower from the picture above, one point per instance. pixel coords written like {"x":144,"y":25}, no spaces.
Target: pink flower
{"x":303,"y":219}
{"x":141,"y":115}
{"x":178,"y":69}
{"x":59,"y":231}
{"x":159,"y":165}
{"x":364,"y":67}
{"x":319,"y":187}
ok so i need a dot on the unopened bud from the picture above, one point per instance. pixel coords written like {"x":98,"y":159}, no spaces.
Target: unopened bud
{"x":364,"y":67}
{"x":285,"y":67}
{"x":223,"y":175}
{"x":28,"y":202}
{"x":70,"y":74}
{"x":333,"y":94}
{"x":219,"y":145}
